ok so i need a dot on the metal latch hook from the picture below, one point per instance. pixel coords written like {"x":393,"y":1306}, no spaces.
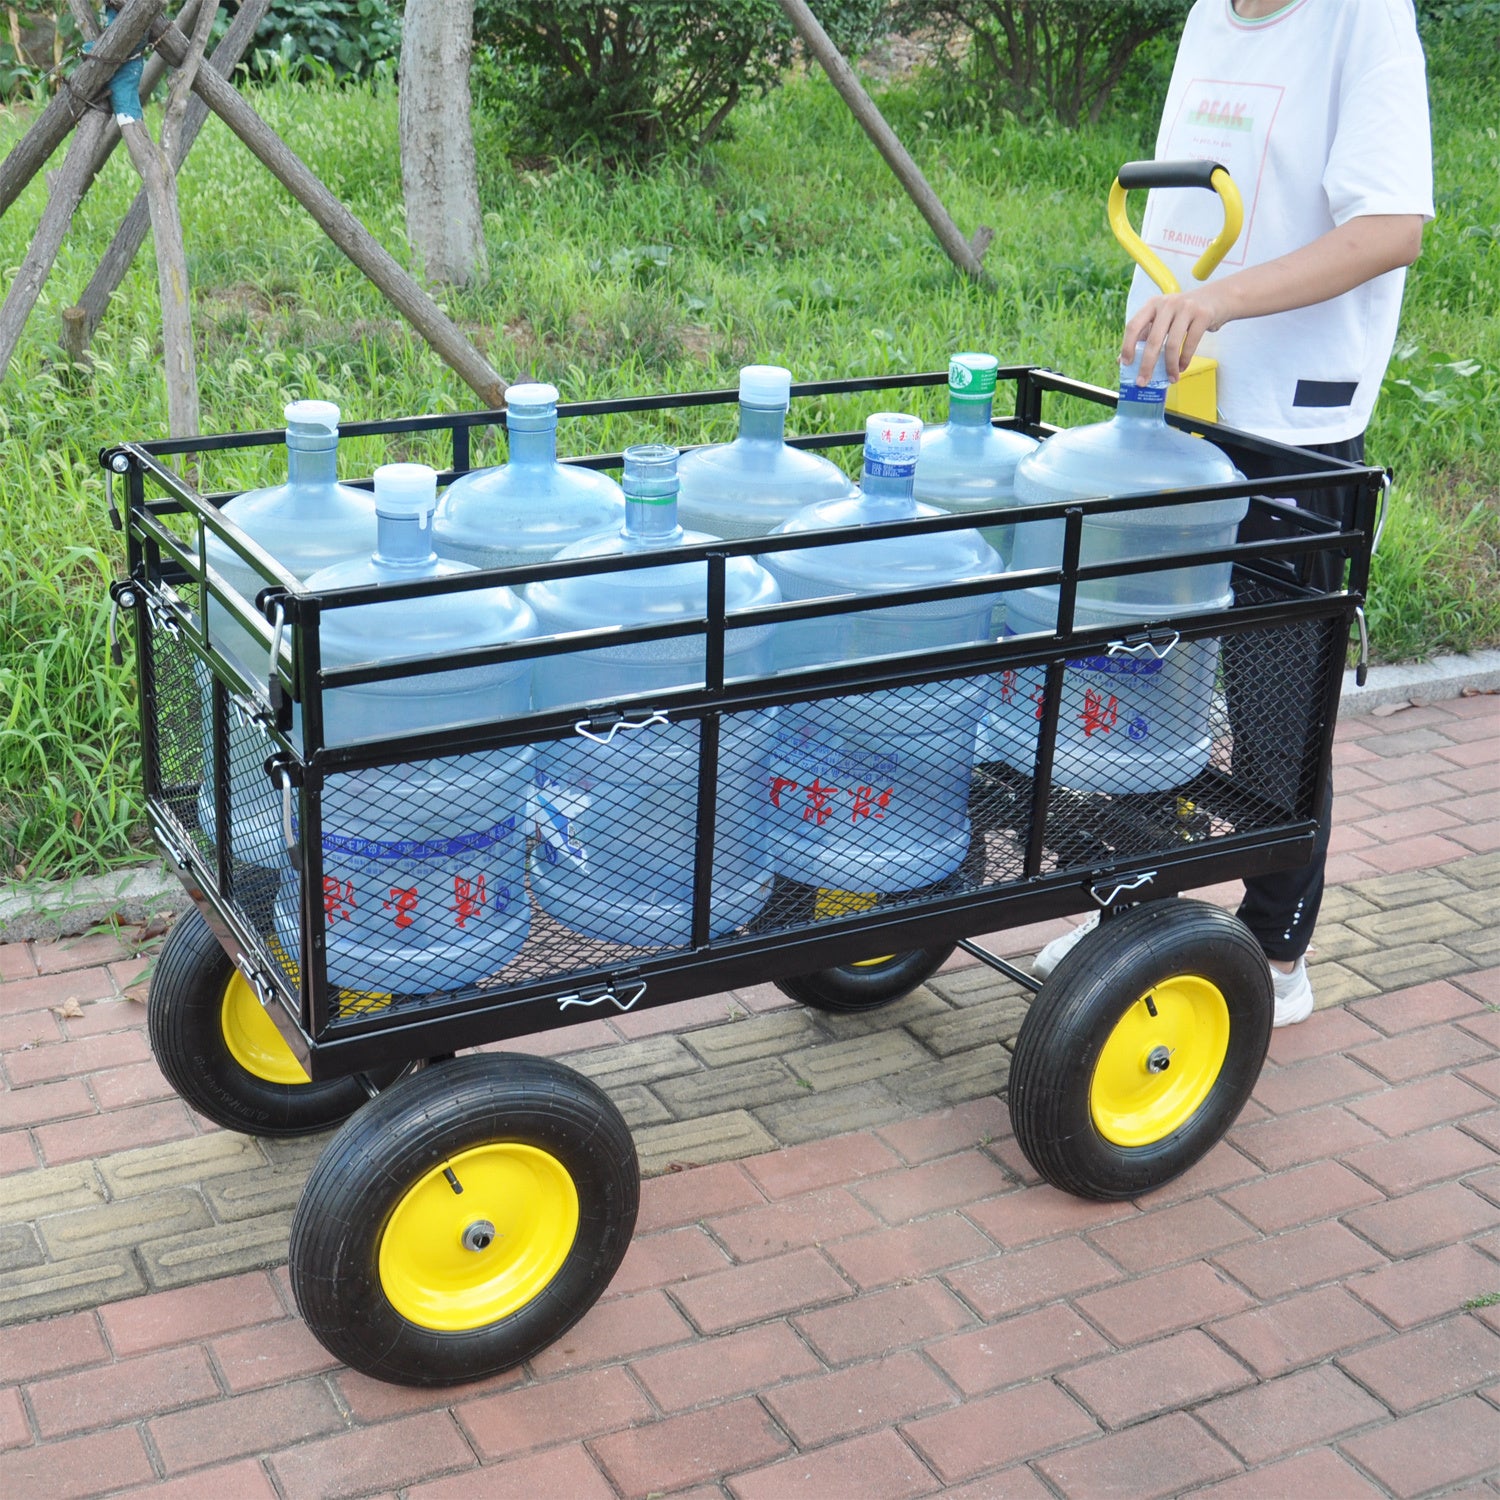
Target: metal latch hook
{"x":1121,"y":886}
{"x":581,"y":727}
{"x":1147,"y":647}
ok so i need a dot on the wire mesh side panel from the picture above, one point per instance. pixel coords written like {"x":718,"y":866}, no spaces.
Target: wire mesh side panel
{"x":180,"y":729}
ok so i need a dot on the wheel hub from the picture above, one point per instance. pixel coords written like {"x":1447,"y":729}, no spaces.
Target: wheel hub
{"x":1160,"y":1062}
{"x":480,"y":1235}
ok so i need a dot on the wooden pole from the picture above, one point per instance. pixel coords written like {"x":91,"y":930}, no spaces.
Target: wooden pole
{"x":440,"y":331}
{"x":965,"y":254}
{"x":131,"y":234}
{"x":72,"y":100}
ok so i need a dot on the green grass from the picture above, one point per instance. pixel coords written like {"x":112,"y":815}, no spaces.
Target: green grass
{"x":790,"y":243}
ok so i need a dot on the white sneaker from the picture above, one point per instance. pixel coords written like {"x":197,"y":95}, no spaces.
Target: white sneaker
{"x":1294,"y":996}
{"x":1059,"y":948}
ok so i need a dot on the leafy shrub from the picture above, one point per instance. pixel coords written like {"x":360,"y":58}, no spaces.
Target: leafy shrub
{"x":633,"y":79}
{"x":1036,"y":58}
{"x":352,"y":37}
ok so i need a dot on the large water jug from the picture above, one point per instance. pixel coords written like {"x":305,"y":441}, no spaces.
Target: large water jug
{"x":750,"y":486}
{"x":1133,"y":720}
{"x":615,"y":814}
{"x":424,"y":884}
{"x":966,"y":464}
{"x":310,"y":522}
{"x":527,"y":510}
{"x":869,"y":795}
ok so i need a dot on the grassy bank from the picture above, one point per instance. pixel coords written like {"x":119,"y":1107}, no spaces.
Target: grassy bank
{"x":789,"y":243}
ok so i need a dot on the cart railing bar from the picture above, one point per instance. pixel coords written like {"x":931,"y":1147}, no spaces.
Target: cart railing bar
{"x":756,"y":956}
{"x":866,"y":675}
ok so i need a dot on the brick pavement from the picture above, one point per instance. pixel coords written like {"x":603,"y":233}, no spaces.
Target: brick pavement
{"x":846,"y":1281}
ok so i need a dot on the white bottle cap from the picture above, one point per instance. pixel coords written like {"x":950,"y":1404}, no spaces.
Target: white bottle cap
{"x":405,"y":490}
{"x":766,"y":385}
{"x":531,"y":395}
{"x":315,"y":414}
{"x":892,"y":442}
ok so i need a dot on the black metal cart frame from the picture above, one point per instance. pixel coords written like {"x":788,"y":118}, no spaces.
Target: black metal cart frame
{"x":169,"y":582}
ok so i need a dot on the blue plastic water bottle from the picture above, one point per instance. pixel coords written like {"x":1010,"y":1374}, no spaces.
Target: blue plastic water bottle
{"x":1132,"y":720}
{"x":423,"y":862}
{"x":615,"y":813}
{"x":750,"y":486}
{"x":869,"y":795}
{"x":527,"y":510}
{"x":310,"y":522}
{"x":967,"y":464}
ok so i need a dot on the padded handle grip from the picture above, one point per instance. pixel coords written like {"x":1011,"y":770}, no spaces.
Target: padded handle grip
{"x":1168,"y":174}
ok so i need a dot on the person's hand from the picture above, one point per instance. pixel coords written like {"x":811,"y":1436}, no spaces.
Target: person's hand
{"x":1176,"y":324}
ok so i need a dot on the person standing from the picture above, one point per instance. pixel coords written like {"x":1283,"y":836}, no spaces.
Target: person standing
{"x":1318,"y":108}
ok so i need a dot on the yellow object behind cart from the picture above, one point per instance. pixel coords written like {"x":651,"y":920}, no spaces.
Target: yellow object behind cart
{"x":1195,"y":393}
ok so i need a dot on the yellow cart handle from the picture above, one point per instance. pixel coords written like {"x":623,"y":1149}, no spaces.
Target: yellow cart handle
{"x":1151,"y":174}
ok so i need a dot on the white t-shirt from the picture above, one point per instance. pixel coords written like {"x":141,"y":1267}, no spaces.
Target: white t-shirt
{"x":1319,"y":111}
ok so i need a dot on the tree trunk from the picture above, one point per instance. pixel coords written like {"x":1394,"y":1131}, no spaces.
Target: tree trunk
{"x":439,"y":176}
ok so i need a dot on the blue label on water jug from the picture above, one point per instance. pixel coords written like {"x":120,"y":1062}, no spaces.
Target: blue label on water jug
{"x":1117,"y":666}
{"x":404,"y":849}
{"x":885,"y":469}
{"x":1143,"y":395}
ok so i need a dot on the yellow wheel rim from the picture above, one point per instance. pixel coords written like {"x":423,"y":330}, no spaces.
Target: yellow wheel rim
{"x":1157,"y":1069}
{"x":453,"y":1261}
{"x":252,"y":1038}
{"x":874,"y":963}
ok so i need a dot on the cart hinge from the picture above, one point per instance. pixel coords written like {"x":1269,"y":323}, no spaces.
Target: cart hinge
{"x":113,"y":462}
{"x":174,"y":848}
{"x":123,"y":594}
{"x":256,"y":978}
{"x":622,"y":991}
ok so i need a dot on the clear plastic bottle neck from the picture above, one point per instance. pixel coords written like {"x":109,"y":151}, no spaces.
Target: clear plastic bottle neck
{"x":887,"y":494}
{"x":534,"y":445}
{"x":650,"y":484}
{"x":312,"y":459}
{"x":1145,"y":404}
{"x":762,"y":424}
{"x":404,"y":541}
{"x":970,"y":414}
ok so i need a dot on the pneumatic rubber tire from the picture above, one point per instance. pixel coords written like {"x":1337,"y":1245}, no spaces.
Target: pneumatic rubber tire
{"x":221,"y":1053}
{"x":464,"y":1220}
{"x":868,"y":985}
{"x":1140,"y":1049}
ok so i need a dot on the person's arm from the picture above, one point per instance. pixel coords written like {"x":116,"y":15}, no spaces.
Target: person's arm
{"x":1346,"y":257}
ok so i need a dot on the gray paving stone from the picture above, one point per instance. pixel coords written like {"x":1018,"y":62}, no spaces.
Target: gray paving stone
{"x":88,"y":1231}
{"x":1337,"y":940}
{"x":1481,"y":873}
{"x":19,"y":1247}
{"x":1407,"y":742}
{"x":976,"y":986}
{"x":220,"y":1250}
{"x":837,"y":1065}
{"x":698,"y":1143}
{"x":922,"y":1003}
{"x":296,"y":1153}
{"x":1333,"y":984}
{"x":151,"y":1168}
{"x":772,"y":1035}
{"x":763,"y":1080}
{"x":815,"y":1117}
{"x":1412,"y":963}
{"x":1340,"y":902}
{"x":1483,"y":905}
{"x":69,"y":1285}
{"x":638,"y":1104}
{"x":1424,"y":921}
{"x":253,"y":1195}
{"x":30,"y":1195}
{"x":1410,"y":886}
{"x":636,"y":1062}
{"x":951,"y":1080}
{"x":980,"y":1025}
{"x":1481,"y":947}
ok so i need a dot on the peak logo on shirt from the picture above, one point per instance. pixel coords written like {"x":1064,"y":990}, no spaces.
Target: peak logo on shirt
{"x":1222,"y":114}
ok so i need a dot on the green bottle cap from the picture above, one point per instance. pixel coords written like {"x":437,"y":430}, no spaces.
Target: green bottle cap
{"x":971,"y":377}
